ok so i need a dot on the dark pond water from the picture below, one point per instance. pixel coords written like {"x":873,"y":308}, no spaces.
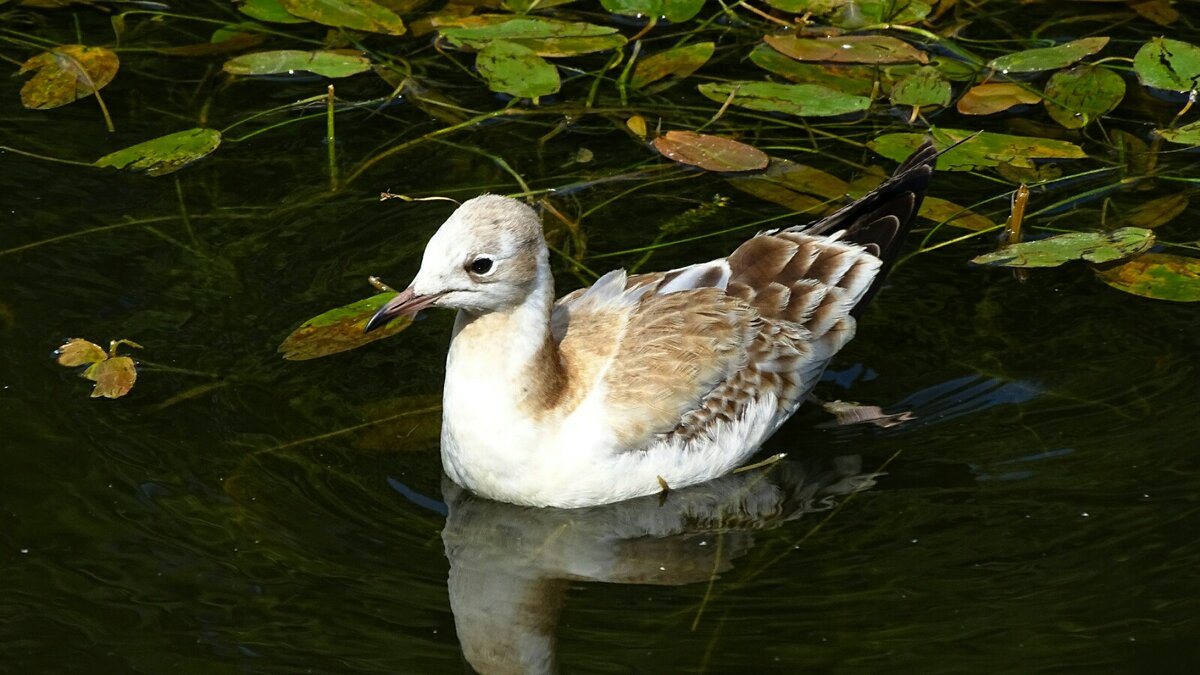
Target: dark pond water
{"x":241,"y":513}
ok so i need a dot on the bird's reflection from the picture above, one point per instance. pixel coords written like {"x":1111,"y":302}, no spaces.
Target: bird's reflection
{"x":510,"y":565}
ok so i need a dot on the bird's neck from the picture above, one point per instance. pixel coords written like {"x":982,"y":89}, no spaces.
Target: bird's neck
{"x":510,"y":354}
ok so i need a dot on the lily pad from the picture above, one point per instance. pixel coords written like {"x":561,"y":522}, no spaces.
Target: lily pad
{"x":677,"y":61}
{"x":984,"y":149}
{"x":324,"y":63}
{"x":672,"y":10}
{"x":1188,"y":134}
{"x":65,"y":74}
{"x":1096,"y":247}
{"x":927,"y":86}
{"x":1076,"y":97}
{"x":340,"y":330}
{"x":994,"y":97}
{"x":546,"y":37}
{"x":79,"y":352}
{"x":361,"y":15}
{"x":803,"y":100}
{"x":515,"y":69}
{"x":114,"y":375}
{"x":1159,"y":11}
{"x":712,"y":153}
{"x":849,"y":79}
{"x":848,"y":49}
{"x":1048,"y":58}
{"x":271,"y":11}
{"x":1168,"y":64}
{"x":165,"y":154}
{"x":1157,"y":275}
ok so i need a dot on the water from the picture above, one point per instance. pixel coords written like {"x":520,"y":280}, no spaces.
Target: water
{"x":1038,"y":515}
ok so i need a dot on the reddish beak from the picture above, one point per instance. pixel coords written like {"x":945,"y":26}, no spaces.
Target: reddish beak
{"x":406,"y":303}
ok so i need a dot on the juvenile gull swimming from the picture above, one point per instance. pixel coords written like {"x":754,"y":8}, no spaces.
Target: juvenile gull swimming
{"x":674,"y":377}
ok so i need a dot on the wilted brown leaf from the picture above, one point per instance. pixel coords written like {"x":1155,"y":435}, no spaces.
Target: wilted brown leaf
{"x":79,"y":352}
{"x":65,"y":74}
{"x":712,"y":153}
{"x":994,"y":97}
{"x":114,"y":377}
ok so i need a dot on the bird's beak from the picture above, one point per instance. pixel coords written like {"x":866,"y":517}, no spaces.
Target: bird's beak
{"x":407,"y":303}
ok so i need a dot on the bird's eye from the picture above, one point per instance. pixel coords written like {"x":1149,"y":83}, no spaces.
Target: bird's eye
{"x":481,"y":266}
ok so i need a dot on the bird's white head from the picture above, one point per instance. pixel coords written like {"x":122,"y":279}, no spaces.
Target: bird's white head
{"x":486,"y":257}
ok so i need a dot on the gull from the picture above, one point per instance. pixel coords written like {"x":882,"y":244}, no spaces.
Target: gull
{"x":645,"y":382}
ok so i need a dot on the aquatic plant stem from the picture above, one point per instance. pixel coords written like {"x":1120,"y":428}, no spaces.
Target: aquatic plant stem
{"x":331,"y":140}
{"x":26,"y":153}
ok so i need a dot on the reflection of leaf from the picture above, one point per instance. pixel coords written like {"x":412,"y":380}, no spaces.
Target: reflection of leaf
{"x":942,"y":211}
{"x":1168,"y":64}
{"x":925,"y":87}
{"x":547,"y":37}
{"x":712,"y":153}
{"x":1097,"y":247}
{"x":1159,"y":11}
{"x":164,"y":154}
{"x":804,"y":100}
{"x":1081,"y":94}
{"x":984,"y":149}
{"x":340,"y":329}
{"x":66,"y":73}
{"x":1155,"y":212}
{"x":515,"y":69}
{"x":849,"y":79}
{"x":678,"y":61}
{"x":325,"y":63}
{"x":78,"y":352}
{"x":847,"y":49}
{"x":114,"y":377}
{"x":361,"y":15}
{"x":1048,"y":58}
{"x":1157,"y":275}
{"x":268,"y":10}
{"x":994,"y":97}
{"x":1188,"y":134}
{"x":793,"y":185}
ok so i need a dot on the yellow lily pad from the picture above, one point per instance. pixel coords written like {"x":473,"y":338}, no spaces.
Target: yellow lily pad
{"x":65,"y":74}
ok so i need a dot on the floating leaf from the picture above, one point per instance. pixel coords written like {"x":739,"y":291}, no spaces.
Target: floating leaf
{"x":994,"y":97}
{"x":114,"y":377}
{"x":927,"y":86}
{"x":78,"y":352}
{"x":547,"y":37}
{"x":65,"y":74}
{"x":1168,"y":64}
{"x":678,"y":61}
{"x":1159,"y":11}
{"x":943,"y":211}
{"x":1048,"y":58}
{"x":847,"y":49}
{"x":515,"y":69}
{"x":324,"y":63}
{"x":1156,"y":212}
{"x":1188,"y":134}
{"x":271,"y":11}
{"x":849,"y":79}
{"x":1097,"y":247}
{"x":712,"y":153}
{"x":1076,"y":97}
{"x":1157,"y":275}
{"x":673,"y":10}
{"x":804,"y":100}
{"x":165,"y":154}
{"x":361,"y":15}
{"x":984,"y":149}
{"x":340,"y":329}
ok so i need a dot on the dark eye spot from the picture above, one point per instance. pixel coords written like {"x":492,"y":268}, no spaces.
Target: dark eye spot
{"x":481,"y":265}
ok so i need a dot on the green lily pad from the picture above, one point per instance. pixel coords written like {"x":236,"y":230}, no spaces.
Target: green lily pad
{"x":1048,"y":58}
{"x":1076,"y":97}
{"x":271,"y":11}
{"x":546,"y":37}
{"x":165,"y":154}
{"x":927,"y":86}
{"x":361,"y":15}
{"x":712,"y":153}
{"x":848,"y":49}
{"x":1157,"y":275}
{"x":1168,"y":64}
{"x":340,"y":330}
{"x":994,"y":97}
{"x":66,"y":74}
{"x":324,"y":63}
{"x":674,"y":11}
{"x":852,"y":14}
{"x":678,"y":61}
{"x":985,"y":149}
{"x":1096,"y":247}
{"x":515,"y":69}
{"x":803,"y":100}
{"x":850,"y":79}
{"x":1188,"y":134}
{"x":525,"y":6}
